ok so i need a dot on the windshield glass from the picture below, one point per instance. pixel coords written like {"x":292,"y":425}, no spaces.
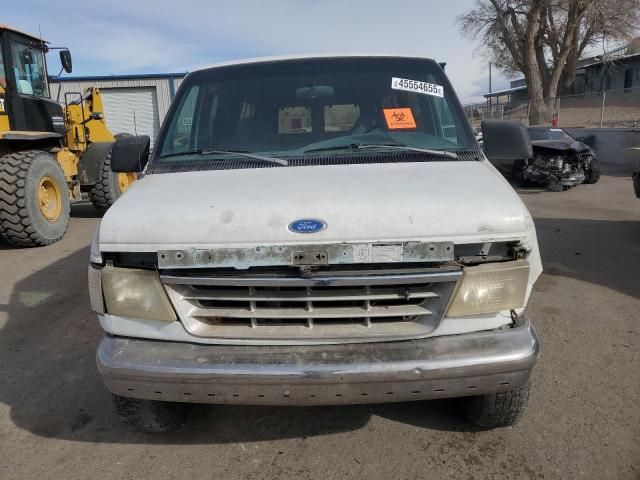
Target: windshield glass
{"x":29,"y":71}
{"x":549,"y":134}
{"x":293,"y":107}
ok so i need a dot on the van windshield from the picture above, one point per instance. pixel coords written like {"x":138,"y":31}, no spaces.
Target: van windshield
{"x":297,"y":107}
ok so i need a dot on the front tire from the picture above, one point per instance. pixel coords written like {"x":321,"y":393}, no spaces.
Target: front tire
{"x":110,"y":186}
{"x":493,"y":410}
{"x":34,"y":199}
{"x":150,"y":416}
{"x":593,"y":174}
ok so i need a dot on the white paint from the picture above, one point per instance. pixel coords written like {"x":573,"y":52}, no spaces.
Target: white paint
{"x":437,"y":201}
{"x":463,"y":202}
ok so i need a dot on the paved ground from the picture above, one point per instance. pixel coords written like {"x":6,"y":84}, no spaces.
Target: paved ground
{"x":56,"y":419}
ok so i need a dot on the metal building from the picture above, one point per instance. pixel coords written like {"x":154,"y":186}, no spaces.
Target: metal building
{"x":133,"y":103}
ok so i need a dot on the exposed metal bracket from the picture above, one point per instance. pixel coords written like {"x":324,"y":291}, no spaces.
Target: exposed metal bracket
{"x":318,"y":254}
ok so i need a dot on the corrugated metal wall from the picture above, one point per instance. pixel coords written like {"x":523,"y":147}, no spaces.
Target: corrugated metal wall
{"x":162,"y":86}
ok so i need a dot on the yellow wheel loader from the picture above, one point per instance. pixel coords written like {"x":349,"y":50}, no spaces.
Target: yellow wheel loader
{"x":49,"y":154}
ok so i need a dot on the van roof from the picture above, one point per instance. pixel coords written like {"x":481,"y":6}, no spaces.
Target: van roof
{"x":279,"y":58}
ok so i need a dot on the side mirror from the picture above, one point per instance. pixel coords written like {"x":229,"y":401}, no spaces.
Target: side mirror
{"x":506,"y":140}
{"x":130,"y":154}
{"x":65,"y":60}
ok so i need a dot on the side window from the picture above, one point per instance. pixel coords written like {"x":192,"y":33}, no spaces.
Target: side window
{"x":3,"y":75}
{"x":28,"y":70}
{"x":447,"y":122}
{"x":179,"y":137}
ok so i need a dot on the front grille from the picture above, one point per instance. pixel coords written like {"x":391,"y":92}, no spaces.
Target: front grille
{"x":323,"y":307}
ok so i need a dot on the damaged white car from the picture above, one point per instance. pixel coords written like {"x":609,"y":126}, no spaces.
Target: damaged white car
{"x":316,"y":231}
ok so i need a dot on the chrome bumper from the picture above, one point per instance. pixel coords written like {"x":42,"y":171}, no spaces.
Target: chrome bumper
{"x":436,"y":367}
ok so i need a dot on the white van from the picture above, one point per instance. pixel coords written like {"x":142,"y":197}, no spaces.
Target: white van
{"x":315,"y":231}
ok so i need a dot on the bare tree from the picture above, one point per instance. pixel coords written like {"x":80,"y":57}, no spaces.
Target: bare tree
{"x":544,"y":39}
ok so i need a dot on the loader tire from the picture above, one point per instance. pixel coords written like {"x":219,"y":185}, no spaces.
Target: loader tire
{"x":34,"y":199}
{"x":593,"y":174}
{"x":110,"y":186}
{"x":150,"y":416}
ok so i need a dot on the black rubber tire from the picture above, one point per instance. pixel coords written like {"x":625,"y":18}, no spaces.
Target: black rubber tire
{"x":593,"y":174}
{"x":495,"y":410}
{"x":21,"y":221}
{"x":636,"y":183}
{"x":555,"y":186}
{"x":150,"y":416}
{"x":104,"y":193}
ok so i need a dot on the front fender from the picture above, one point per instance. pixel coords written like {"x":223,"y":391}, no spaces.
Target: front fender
{"x":91,"y":162}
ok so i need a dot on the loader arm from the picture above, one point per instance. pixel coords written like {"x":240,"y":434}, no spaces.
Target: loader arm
{"x":85,"y":121}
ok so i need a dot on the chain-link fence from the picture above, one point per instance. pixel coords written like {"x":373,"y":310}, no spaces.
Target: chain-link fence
{"x":610,"y":108}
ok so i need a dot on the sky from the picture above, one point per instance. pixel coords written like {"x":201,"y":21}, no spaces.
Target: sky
{"x":154,"y":36}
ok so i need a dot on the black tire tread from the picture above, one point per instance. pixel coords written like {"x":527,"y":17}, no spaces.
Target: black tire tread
{"x":501,"y":409}
{"x":593,"y":174}
{"x":150,"y":416}
{"x":16,"y":227}
{"x":100,"y":193}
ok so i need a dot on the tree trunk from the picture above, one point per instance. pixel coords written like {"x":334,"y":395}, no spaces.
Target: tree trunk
{"x":568,"y":74}
{"x":538,"y":111}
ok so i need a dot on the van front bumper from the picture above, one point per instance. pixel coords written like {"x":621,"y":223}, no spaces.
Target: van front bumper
{"x":436,"y":367}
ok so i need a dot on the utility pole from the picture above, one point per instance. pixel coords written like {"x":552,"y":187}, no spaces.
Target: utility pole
{"x":489,"y":77}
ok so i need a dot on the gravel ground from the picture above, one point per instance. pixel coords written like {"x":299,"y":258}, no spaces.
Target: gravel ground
{"x":56,"y":419}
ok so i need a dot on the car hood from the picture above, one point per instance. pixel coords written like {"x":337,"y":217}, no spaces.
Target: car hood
{"x":561,"y":145}
{"x":436,"y":201}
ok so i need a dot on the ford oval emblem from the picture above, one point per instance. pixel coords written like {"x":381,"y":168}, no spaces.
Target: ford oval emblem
{"x":307,"y":225}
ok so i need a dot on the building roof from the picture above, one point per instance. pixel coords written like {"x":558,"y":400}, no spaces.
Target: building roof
{"x":128,"y":76}
{"x":600,"y":59}
{"x":504,"y":92}
{"x":276,"y":58}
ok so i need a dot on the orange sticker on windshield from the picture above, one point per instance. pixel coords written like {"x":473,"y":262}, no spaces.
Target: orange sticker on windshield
{"x":399,"y":118}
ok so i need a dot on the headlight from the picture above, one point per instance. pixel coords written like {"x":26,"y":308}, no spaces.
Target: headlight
{"x":135,"y":293}
{"x":490,"y":288}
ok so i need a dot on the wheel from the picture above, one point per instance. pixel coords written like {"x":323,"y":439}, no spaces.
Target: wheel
{"x":110,"y":186}
{"x":34,"y":199}
{"x":494,"y":410}
{"x":593,"y":173}
{"x":554,"y":186}
{"x":150,"y":416}
{"x":636,"y":183}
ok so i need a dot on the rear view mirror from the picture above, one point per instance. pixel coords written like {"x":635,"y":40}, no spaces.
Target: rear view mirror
{"x":65,"y":60}
{"x":130,"y":154}
{"x":316,"y":91}
{"x":506,"y":140}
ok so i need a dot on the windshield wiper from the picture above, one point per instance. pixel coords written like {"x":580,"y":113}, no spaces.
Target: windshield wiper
{"x":238,"y":153}
{"x":362,"y":146}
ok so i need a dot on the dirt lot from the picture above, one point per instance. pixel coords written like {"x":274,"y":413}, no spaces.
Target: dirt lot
{"x":56,"y":419}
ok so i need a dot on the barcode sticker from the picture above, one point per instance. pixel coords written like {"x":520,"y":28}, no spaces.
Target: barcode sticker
{"x":417,"y":86}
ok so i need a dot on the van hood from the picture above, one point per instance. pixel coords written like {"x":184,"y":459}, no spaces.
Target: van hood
{"x":463,"y":202}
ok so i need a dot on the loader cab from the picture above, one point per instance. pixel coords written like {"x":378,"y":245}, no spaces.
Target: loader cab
{"x":25,"y":105}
